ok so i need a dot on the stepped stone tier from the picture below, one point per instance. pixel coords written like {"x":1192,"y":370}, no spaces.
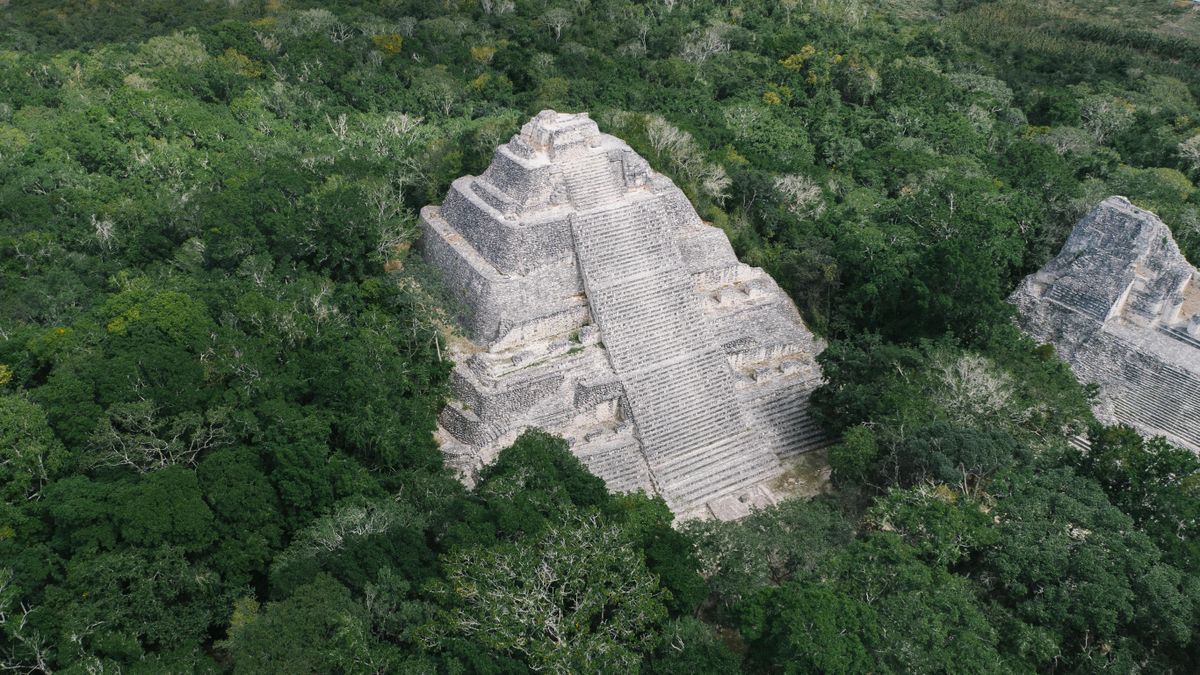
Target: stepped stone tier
{"x":597,"y":305}
{"x":1122,"y":305}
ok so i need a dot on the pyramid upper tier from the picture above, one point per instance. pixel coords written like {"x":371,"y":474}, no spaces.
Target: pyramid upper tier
{"x":515,"y":219}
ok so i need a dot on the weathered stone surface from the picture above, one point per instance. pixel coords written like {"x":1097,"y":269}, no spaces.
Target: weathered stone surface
{"x":597,"y":305}
{"x":1122,"y":305}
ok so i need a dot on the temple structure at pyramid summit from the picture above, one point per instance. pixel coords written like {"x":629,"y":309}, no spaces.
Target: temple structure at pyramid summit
{"x":1122,"y":305}
{"x":597,"y":305}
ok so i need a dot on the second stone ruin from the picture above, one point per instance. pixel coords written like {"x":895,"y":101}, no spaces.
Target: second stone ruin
{"x":1122,"y":305}
{"x":597,"y":305}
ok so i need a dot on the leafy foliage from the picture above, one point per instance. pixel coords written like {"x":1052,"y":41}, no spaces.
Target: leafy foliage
{"x":220,"y":362}
{"x":573,"y":598}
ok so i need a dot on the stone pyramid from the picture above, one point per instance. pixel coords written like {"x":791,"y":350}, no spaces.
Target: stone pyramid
{"x":597,"y":305}
{"x":1122,"y":305}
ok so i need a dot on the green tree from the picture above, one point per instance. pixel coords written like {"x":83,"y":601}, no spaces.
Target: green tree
{"x":943,"y":526}
{"x":164,"y":507}
{"x":1156,"y":483}
{"x":1071,"y":566}
{"x":308,"y":632}
{"x":116,"y":609}
{"x":247,"y":514}
{"x":30,"y":454}
{"x":853,"y":460}
{"x":575,"y":597}
{"x":808,"y":628}
{"x":795,"y":540}
{"x":690,"y":647}
{"x":529,"y":484}
{"x":929,"y":620}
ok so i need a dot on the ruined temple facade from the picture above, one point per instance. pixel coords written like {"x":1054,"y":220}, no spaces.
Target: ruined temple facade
{"x":1122,"y":305}
{"x":597,"y":305}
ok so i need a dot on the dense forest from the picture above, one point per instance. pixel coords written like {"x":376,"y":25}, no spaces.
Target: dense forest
{"x":220,"y":368}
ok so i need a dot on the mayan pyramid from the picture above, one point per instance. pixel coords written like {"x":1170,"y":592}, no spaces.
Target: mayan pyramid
{"x":597,"y":305}
{"x":1122,"y":305}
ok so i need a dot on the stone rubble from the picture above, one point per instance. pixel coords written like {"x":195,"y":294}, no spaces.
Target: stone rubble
{"x":1121,"y":304}
{"x":598,"y":306}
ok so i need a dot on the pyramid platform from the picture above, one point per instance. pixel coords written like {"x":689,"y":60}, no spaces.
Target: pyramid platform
{"x":597,"y":305}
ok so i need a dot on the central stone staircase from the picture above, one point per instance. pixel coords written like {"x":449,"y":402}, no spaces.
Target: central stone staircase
{"x":679,"y":386}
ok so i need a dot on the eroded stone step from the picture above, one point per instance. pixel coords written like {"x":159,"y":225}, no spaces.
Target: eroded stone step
{"x":1078,"y":301}
{"x":716,"y":480}
{"x":592,"y":180}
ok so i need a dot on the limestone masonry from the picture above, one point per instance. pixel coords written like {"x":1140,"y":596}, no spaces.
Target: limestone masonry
{"x":598,"y":306}
{"x":1122,"y":305}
